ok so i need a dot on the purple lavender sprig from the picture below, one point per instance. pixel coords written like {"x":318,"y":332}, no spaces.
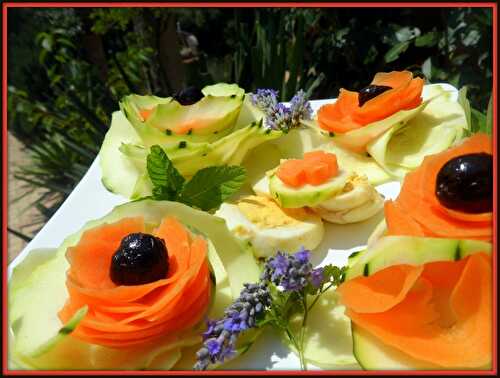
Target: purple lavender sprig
{"x":265,"y":98}
{"x":279,"y":116}
{"x":286,"y":281}
{"x":300,"y":107}
{"x":219,"y":341}
{"x":291,"y":272}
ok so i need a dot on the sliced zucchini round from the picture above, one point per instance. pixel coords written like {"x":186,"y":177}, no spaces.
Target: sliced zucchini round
{"x":307,"y":195}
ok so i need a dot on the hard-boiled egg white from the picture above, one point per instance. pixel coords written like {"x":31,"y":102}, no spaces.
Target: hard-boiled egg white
{"x":261,"y":187}
{"x":269,"y":228}
{"x":358,"y":201}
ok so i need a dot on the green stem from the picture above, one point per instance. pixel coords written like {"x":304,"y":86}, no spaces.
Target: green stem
{"x":298,"y":347}
{"x":302,"y":333}
{"x":317,"y":296}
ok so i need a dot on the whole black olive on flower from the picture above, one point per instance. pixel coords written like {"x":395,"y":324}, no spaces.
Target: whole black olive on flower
{"x":140,"y":258}
{"x":465,"y":183}
{"x":371,"y":91}
{"x":188,"y":96}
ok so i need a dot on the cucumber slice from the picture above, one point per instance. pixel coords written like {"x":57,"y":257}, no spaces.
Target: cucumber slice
{"x":249,"y":113}
{"x":223,"y":89}
{"x":372,"y":354}
{"x":307,"y":195}
{"x":355,"y":256}
{"x":359,"y":163}
{"x":40,"y":341}
{"x":297,"y":141}
{"x":327,"y":341}
{"x":393,"y":250}
{"x":357,"y":139}
{"x":170,"y":122}
{"x":403,"y":147}
{"x":119,"y":173}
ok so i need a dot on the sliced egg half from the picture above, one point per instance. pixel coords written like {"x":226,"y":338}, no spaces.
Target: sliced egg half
{"x":269,"y":228}
{"x":358,"y":201}
{"x":261,"y":187}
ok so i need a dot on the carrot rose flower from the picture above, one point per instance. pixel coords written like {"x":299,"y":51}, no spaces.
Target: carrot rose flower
{"x":387,"y":94}
{"x":449,"y":196}
{"x":437,"y":315}
{"x":124,"y":313}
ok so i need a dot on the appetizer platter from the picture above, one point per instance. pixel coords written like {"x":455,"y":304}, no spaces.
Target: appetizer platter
{"x":220,"y":229}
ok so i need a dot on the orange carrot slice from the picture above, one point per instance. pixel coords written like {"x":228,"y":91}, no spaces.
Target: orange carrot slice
{"x":380,"y":292}
{"x":318,"y":173}
{"x":336,"y":117}
{"x":292,"y":173}
{"x":398,"y":221}
{"x":393,"y":79}
{"x":445,"y":319}
{"x":315,"y":168}
{"x":323,"y":157}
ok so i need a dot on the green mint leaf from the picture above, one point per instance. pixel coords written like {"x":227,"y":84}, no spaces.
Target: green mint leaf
{"x":166,"y":179}
{"x":211,"y":186}
{"x":163,"y":193}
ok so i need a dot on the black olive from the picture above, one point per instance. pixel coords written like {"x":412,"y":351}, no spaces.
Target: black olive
{"x":188,"y":96}
{"x":465,"y":183}
{"x":140,"y":259}
{"x":371,"y":91}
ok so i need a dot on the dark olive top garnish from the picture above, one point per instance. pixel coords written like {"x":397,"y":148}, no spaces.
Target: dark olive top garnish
{"x":465,"y":183}
{"x":371,"y":91}
{"x":140,"y":259}
{"x":188,"y":96}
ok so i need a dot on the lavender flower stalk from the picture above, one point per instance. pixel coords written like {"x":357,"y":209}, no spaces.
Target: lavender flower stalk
{"x":290,"y":272}
{"x":287,"y":280}
{"x":279,"y":116}
{"x":221,"y":336}
{"x":265,"y":98}
{"x":300,"y":107}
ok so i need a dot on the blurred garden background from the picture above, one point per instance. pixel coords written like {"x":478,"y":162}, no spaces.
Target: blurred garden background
{"x":69,"y":67}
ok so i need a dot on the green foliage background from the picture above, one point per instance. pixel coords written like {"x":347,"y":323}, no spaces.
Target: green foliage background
{"x":68,"y":67}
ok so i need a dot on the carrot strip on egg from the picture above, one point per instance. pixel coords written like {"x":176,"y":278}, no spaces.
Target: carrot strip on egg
{"x":315,"y":168}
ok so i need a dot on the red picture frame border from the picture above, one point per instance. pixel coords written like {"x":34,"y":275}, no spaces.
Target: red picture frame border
{"x":7,"y":5}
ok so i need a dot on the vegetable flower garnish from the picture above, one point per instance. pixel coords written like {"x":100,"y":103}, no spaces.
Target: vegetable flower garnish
{"x":278,"y":115}
{"x":387,"y":94}
{"x":289,"y":286}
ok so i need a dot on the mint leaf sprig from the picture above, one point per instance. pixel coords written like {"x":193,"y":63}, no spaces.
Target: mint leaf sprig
{"x":206,"y":190}
{"x":289,"y":287}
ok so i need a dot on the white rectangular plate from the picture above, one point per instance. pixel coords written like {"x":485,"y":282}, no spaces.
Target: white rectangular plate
{"x":90,"y":200}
